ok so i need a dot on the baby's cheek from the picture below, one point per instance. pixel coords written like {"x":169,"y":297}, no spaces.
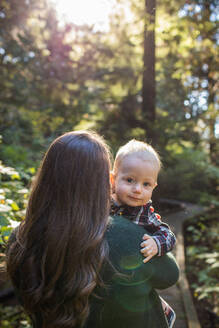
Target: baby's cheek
{"x":121,"y":189}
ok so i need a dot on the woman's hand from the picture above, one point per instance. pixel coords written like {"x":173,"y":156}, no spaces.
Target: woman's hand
{"x":149,"y":247}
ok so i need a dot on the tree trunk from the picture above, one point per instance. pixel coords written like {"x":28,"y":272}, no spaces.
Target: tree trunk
{"x":211,"y":121}
{"x":211,"y":114}
{"x":148,"y":87}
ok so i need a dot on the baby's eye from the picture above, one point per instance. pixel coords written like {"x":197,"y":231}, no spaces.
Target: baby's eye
{"x":129,"y":180}
{"x":145,"y":184}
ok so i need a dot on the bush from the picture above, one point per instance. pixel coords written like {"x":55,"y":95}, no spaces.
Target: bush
{"x":188,"y":176}
{"x":13,"y":198}
{"x":13,"y":317}
{"x":202,"y":265}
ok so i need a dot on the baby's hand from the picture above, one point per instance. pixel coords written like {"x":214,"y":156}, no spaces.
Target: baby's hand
{"x":149,"y":247}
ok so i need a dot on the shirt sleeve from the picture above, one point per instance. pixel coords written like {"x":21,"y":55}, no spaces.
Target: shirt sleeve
{"x":161,"y":233}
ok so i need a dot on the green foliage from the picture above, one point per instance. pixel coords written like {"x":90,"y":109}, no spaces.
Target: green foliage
{"x":13,"y":198}
{"x":13,"y":201}
{"x":13,"y":317}
{"x":47,"y":77}
{"x":202,"y":254}
{"x":188,"y":175}
{"x":14,"y":154}
{"x":58,"y":78}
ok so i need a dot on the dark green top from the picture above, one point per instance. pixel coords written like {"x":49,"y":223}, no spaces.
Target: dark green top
{"x":130,"y":300}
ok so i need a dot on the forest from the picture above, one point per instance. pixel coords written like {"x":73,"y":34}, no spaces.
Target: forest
{"x":151,"y":75}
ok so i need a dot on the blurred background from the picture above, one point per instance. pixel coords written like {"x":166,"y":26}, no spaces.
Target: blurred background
{"x":124,"y":68}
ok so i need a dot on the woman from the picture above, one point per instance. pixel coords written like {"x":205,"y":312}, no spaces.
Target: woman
{"x":70,"y":264}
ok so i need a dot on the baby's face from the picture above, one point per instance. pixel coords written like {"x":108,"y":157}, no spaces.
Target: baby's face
{"x":134,"y":181}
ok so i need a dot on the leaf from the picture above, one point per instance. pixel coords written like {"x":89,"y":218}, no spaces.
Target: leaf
{"x":210,"y":261}
{"x":212,"y":289}
{"x":208,"y":255}
{"x":4,"y":208}
{"x":9,"y":171}
{"x":6,"y":230}
{"x":192,"y":250}
{"x":15,"y":176}
{"x":215,"y":265}
{"x":32,"y":170}
{"x":191,"y":228}
{"x":202,"y":295}
{"x":23,"y":191}
{"x":15,"y":207}
{"x":4,"y":221}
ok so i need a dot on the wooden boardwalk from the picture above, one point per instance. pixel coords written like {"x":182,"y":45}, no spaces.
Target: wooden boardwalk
{"x":179,"y":296}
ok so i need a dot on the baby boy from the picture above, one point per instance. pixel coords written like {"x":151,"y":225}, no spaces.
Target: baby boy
{"x":133,"y":180}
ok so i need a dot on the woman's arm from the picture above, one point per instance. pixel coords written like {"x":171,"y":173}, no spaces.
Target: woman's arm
{"x":124,"y":240}
{"x":165,"y":271}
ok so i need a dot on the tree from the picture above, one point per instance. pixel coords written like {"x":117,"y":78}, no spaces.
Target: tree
{"x":203,"y":61}
{"x":46,"y":73}
{"x":191,"y":47}
{"x":148,"y":85}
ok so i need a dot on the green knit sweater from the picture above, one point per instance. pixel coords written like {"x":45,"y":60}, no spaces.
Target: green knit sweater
{"x":130,"y":300}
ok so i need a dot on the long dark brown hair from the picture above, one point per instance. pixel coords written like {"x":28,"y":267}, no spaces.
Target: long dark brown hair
{"x":55,"y":259}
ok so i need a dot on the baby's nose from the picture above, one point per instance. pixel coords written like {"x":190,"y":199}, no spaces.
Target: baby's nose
{"x":137,"y":187}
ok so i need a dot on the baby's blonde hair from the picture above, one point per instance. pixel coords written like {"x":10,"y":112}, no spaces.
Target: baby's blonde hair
{"x":140,"y":149}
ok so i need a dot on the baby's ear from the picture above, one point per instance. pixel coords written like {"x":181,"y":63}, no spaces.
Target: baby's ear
{"x":112,"y":178}
{"x":155,"y":185}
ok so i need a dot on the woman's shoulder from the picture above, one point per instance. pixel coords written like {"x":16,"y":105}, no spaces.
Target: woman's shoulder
{"x":124,"y":238}
{"x":119,"y":225}
{"x":124,"y":235}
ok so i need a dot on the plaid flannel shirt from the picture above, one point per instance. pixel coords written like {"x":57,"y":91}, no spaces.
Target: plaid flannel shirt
{"x":145,"y":216}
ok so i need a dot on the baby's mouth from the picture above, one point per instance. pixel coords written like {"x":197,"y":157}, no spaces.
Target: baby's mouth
{"x":135,"y":198}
